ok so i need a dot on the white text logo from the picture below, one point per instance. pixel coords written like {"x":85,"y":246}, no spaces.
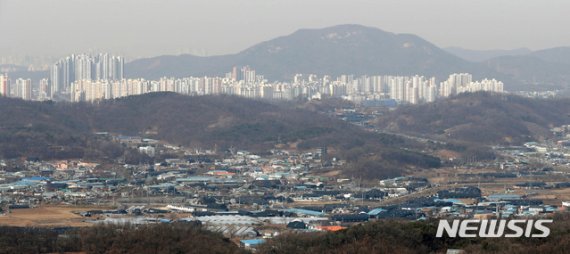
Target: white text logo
{"x":494,"y":228}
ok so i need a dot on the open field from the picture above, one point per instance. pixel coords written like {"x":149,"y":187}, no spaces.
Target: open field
{"x":47,"y":216}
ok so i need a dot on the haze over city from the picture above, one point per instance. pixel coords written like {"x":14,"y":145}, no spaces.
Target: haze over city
{"x":137,"y":28}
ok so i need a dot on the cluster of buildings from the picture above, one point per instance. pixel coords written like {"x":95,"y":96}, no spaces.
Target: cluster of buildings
{"x":21,"y":89}
{"x":463,"y":83}
{"x":403,"y":89}
{"x":24,"y":89}
{"x":91,"y":78}
{"x":237,"y":193}
{"x":65,"y":72}
{"x":74,"y":68}
{"x":250,"y":197}
{"x":553,"y":151}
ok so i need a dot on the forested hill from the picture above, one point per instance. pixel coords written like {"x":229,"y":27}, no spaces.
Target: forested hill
{"x":481,"y":118}
{"x":61,"y":130}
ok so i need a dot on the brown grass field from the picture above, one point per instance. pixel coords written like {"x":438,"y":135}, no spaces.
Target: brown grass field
{"x":47,"y":216}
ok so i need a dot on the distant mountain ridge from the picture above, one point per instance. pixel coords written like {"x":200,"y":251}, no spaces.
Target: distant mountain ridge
{"x":343,"y":49}
{"x":554,"y":55}
{"x":547,"y":69}
{"x":361,"y":50}
{"x":484,"y":55}
{"x":544,"y":69}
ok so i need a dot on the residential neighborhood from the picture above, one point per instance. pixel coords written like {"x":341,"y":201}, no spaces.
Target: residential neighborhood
{"x":250,"y":197}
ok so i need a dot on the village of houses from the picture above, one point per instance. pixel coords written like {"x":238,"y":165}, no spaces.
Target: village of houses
{"x":250,"y":197}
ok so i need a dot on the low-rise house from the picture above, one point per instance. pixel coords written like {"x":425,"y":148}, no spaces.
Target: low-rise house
{"x":297,"y":224}
{"x":251,"y":243}
{"x":360,"y":217}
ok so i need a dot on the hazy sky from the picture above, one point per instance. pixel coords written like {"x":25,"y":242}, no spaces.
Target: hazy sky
{"x":211,"y":27}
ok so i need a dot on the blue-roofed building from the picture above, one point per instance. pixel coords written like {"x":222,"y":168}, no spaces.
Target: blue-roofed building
{"x":550,"y":209}
{"x":35,"y":179}
{"x":196,"y":179}
{"x":300,"y":211}
{"x":510,"y":208}
{"x":391,"y":103}
{"x":503,"y":197}
{"x":163,"y":187}
{"x":455,"y":201}
{"x":375,"y":212}
{"x":252,"y":243}
{"x":163,"y":220}
{"x":25,"y":183}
